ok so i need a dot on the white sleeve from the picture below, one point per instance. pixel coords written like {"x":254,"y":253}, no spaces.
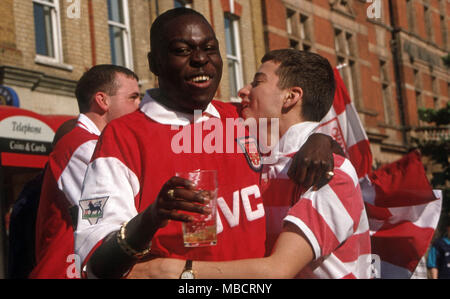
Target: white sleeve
{"x":107,"y":200}
{"x":71,"y":179}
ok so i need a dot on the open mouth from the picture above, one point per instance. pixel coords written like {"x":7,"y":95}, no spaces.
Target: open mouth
{"x":200,"y":81}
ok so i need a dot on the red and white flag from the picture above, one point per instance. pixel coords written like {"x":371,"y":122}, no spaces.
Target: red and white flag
{"x":402,"y":209}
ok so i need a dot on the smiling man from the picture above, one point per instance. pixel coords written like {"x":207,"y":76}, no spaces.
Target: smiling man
{"x":320,"y":233}
{"x":133,"y":167}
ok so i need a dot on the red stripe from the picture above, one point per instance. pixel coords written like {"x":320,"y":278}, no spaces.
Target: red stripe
{"x":317,"y":224}
{"x":402,"y":183}
{"x":401,"y":244}
{"x":349,"y":195}
{"x":378,"y":213}
{"x":280,"y":192}
{"x":23,"y":160}
{"x":353,"y":247}
{"x":361,"y":157}
{"x":349,"y":276}
{"x":341,"y":97}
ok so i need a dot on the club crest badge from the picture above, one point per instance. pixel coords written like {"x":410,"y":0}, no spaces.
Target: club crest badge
{"x":249,"y":146}
{"x":92,"y":209}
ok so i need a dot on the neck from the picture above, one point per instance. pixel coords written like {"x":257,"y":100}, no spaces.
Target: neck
{"x":162,"y":97}
{"x":97,"y":119}
{"x":287,"y":121}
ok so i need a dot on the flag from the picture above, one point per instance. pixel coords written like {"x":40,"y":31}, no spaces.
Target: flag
{"x":343,"y":124}
{"x":402,"y":209}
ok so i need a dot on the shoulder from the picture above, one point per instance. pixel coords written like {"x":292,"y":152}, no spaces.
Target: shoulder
{"x":226,"y":109}
{"x":70,"y":142}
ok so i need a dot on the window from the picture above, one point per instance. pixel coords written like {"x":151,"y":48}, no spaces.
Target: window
{"x":233,"y":54}
{"x":411,"y":15}
{"x":47,"y":30}
{"x":182,"y":3}
{"x":386,"y":94}
{"x":346,"y":56}
{"x":428,"y":25}
{"x":298,"y":30}
{"x":119,"y":33}
{"x":443,"y":32}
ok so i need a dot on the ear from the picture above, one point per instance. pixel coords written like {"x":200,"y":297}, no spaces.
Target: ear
{"x":294,"y":96}
{"x":153,"y":65}
{"x":101,"y":100}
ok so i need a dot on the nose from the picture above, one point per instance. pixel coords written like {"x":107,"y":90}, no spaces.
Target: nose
{"x":199,"y":57}
{"x":244,"y":92}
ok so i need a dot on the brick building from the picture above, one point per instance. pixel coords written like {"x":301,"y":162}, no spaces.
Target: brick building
{"x":45,"y":46}
{"x":391,"y":51}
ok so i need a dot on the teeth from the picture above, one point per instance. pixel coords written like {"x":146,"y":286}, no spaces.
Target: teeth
{"x":200,"y":79}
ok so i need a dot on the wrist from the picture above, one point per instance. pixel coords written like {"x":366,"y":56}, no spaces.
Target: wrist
{"x":130,"y":250}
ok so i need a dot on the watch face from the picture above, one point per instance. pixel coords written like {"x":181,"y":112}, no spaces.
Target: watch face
{"x":187,"y":274}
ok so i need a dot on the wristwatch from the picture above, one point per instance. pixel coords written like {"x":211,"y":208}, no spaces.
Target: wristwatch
{"x":188,"y":273}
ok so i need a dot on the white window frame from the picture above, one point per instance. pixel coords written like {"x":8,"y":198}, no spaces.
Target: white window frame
{"x":236,"y":59}
{"x":126,"y":35}
{"x":184,"y":3}
{"x":56,"y":31}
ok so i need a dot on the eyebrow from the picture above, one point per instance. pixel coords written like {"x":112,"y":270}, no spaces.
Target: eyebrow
{"x":181,"y":40}
{"x":260,"y":75}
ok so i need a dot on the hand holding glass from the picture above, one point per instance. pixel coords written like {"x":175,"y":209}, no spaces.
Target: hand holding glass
{"x":202,"y":230}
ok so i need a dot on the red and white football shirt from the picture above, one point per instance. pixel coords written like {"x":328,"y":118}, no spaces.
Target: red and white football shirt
{"x":61,"y":190}
{"x":333,"y":219}
{"x":139,"y":152}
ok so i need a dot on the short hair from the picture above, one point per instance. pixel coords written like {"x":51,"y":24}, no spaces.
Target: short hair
{"x":310,"y":71}
{"x":99,"y":78}
{"x":157,"y":29}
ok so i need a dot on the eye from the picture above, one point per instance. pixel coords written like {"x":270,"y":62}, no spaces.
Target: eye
{"x":255,"y":83}
{"x":210,"y":48}
{"x":181,"y":51}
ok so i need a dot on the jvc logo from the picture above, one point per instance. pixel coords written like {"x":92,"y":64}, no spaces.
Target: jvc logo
{"x":374,"y":9}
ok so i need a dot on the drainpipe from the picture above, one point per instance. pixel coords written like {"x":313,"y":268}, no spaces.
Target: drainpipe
{"x":397,"y":56}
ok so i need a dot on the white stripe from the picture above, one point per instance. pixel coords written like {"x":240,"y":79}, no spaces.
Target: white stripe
{"x":308,"y":233}
{"x":425,"y":216}
{"x":363,"y":225}
{"x":71,"y":179}
{"x":327,"y":204}
{"x":348,"y":168}
{"x":331,"y":267}
{"x":106,"y":177}
{"x":367,"y":190}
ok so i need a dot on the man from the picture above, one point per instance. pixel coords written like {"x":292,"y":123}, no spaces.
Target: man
{"x":104,"y":92}
{"x":438,"y":260}
{"x":131,"y":176}
{"x":325,"y":234}
{"x":22,"y":229}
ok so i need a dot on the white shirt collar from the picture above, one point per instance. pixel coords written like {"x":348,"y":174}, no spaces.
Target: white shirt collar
{"x":164,"y":115}
{"x":87,"y":124}
{"x":295,"y":137}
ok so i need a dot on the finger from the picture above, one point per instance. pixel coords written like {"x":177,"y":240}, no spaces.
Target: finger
{"x":322,"y":176}
{"x":312,"y":177}
{"x":185,"y":206}
{"x":173,"y":215}
{"x":302,"y":171}
{"x":179,"y":182}
{"x":178,"y":194}
{"x":293,"y":169}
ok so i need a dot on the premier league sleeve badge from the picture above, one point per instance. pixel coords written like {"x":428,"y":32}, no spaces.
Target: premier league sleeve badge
{"x":92,"y":209}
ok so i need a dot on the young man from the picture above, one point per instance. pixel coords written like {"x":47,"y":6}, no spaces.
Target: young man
{"x":131,"y":175}
{"x":438,"y":260}
{"x":325,"y":233}
{"x":104,"y":92}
